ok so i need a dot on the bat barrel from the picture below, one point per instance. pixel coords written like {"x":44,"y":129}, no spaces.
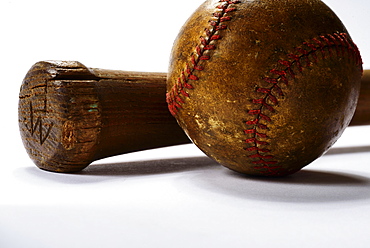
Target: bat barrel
{"x":362,"y":113}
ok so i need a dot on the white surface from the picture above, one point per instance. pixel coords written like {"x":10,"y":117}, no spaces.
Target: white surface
{"x":173,"y":197}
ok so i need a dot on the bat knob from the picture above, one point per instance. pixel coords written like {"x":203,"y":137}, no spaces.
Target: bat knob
{"x":59,"y":119}
{"x":71,"y":115}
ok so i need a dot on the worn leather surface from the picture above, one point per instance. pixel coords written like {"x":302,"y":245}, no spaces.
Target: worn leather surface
{"x":264,"y":87}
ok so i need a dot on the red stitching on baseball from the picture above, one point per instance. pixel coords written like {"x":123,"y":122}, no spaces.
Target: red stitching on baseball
{"x":173,"y":97}
{"x":306,"y":56}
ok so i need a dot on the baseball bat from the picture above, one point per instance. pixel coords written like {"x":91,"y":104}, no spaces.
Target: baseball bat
{"x":71,"y":115}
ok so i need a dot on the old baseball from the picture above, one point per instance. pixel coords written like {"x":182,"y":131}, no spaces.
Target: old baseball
{"x":264,"y":87}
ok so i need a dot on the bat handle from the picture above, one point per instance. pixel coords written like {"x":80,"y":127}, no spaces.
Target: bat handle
{"x":71,"y":115}
{"x":362,"y":113}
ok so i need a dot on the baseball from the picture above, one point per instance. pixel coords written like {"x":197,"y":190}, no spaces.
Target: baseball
{"x":264,"y":87}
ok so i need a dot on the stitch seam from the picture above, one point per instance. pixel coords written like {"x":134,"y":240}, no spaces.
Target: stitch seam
{"x":306,"y":56}
{"x":180,"y":89}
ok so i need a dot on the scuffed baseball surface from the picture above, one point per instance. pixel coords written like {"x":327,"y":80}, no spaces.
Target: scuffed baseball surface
{"x":264,"y":87}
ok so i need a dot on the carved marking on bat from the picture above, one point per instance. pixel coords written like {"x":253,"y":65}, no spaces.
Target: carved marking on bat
{"x":37,"y":125}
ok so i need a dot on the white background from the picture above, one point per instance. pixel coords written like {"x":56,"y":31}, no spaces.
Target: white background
{"x":174,"y":197}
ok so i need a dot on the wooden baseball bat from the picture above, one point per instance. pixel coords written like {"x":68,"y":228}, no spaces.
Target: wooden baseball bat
{"x":71,"y":115}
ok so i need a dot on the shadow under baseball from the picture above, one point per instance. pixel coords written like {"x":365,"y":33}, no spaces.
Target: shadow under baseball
{"x":346,"y":150}
{"x":305,"y":186}
{"x":206,"y":175}
{"x":203,"y":174}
